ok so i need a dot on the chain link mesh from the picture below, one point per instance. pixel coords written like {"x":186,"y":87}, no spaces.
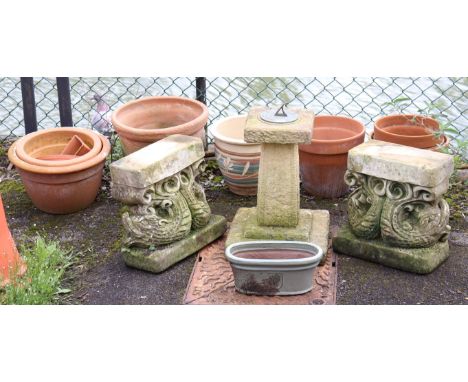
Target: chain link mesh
{"x":364,"y":98}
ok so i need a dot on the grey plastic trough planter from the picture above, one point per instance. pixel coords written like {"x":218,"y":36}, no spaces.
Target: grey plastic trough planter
{"x":273,"y":267}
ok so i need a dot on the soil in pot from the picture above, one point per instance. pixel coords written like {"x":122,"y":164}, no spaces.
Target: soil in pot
{"x":323,"y":162}
{"x":408,"y":129}
{"x":147,"y":120}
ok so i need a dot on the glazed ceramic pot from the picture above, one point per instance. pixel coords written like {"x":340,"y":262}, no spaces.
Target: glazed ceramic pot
{"x":146,"y":120}
{"x":323,"y":162}
{"x":408,"y":129}
{"x":237,"y":160}
{"x":43,"y":148}
{"x":62,"y":189}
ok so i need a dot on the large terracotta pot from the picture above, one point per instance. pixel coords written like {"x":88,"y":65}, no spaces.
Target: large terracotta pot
{"x":147,"y":120}
{"x":43,"y":147}
{"x":237,"y":160}
{"x":323,"y":162}
{"x":62,"y":189}
{"x":407,"y":129}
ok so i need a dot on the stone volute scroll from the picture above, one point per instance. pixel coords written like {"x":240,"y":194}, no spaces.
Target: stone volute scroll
{"x":166,"y":216}
{"x":397,"y":214}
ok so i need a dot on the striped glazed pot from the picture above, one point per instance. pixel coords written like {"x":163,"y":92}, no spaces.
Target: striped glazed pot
{"x":237,"y":160}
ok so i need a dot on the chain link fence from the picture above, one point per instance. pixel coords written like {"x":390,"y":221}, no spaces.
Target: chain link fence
{"x":364,"y":98}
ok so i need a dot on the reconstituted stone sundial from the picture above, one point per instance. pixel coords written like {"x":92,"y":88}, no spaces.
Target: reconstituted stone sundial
{"x":278,"y":215}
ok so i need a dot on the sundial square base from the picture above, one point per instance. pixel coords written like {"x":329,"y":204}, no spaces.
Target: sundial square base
{"x":313,"y":228}
{"x":415,"y":260}
{"x":165,"y":256}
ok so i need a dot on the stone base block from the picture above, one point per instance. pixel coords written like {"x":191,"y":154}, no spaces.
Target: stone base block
{"x":167,"y":255}
{"x":416,"y":260}
{"x":313,"y":227}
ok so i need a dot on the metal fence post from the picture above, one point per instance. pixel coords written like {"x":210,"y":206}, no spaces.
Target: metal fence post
{"x":29,"y":104}
{"x":200,"y":87}
{"x":64,"y":100}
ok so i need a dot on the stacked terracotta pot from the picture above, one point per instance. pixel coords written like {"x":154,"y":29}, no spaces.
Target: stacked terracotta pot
{"x":61,"y":168}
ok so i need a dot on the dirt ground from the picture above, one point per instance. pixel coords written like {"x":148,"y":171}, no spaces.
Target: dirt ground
{"x":99,"y":275}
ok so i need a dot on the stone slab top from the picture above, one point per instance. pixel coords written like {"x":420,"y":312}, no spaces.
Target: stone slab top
{"x":401,"y":163}
{"x":157,"y":161}
{"x":260,"y":131}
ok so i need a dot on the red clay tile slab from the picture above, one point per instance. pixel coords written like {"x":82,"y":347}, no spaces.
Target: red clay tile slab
{"x":212,"y":282}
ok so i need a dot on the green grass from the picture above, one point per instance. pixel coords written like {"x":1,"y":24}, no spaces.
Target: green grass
{"x":41,"y":284}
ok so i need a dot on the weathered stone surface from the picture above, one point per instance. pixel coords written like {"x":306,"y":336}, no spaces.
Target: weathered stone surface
{"x":165,"y":211}
{"x":278,"y":186}
{"x":165,"y":256}
{"x":416,"y":260}
{"x":259,"y":131}
{"x":313,"y":227}
{"x":300,"y":232}
{"x":401,"y":163}
{"x":320,"y":230}
{"x":402,"y":214}
{"x":157,"y":161}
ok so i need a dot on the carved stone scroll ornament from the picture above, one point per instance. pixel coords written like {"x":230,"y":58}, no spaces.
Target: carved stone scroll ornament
{"x":172,"y":207}
{"x":194,"y":194}
{"x":404,"y":215}
{"x":365,"y":204}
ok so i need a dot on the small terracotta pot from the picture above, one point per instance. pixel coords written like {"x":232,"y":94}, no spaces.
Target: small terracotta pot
{"x":237,"y":159}
{"x":33,"y":147}
{"x":146,"y":120}
{"x":323,"y":162}
{"x":62,"y":189}
{"x":407,"y":129}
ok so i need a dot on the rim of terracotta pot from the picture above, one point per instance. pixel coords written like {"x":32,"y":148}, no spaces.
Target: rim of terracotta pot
{"x":445,"y":142}
{"x":404,"y":119}
{"x":382,"y":123}
{"x":143,"y":135}
{"x":100,"y":157}
{"x":229,"y":139}
{"x":25,"y":156}
{"x":335,"y":146}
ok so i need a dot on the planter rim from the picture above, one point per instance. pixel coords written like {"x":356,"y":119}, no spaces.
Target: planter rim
{"x":129,"y":131}
{"x":342,"y":142}
{"x":100,"y":157}
{"x":387,"y":117}
{"x":227,"y":139}
{"x":445,"y":142}
{"x":274,"y":244}
{"x":95,"y":150}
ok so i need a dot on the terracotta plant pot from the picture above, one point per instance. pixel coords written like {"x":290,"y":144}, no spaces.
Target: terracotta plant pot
{"x":36,"y":147}
{"x":443,"y":144}
{"x":407,"y":129}
{"x":62,"y":189}
{"x":323,"y":162}
{"x":237,"y":160}
{"x":146,"y":120}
